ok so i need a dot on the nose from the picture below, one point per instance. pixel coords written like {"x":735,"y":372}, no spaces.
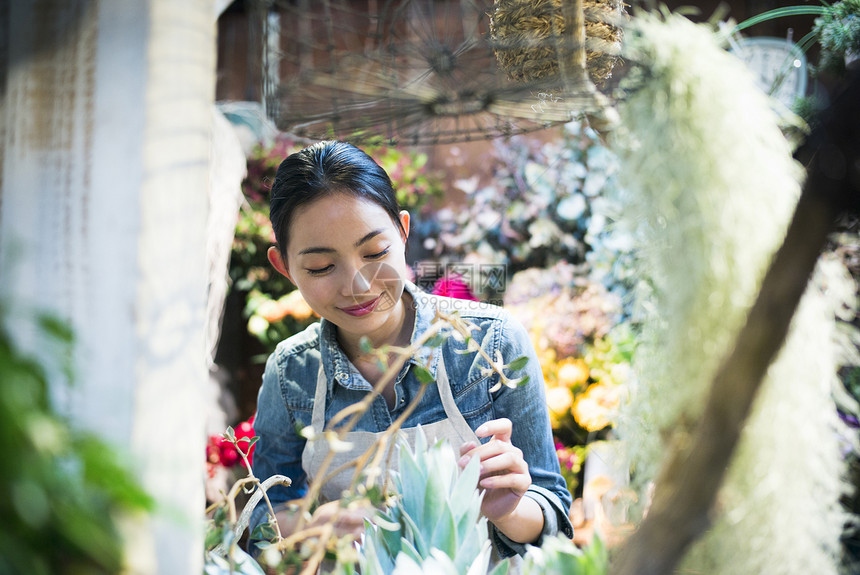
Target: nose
{"x":360,"y":281}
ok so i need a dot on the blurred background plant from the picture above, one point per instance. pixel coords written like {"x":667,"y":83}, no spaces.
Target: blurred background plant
{"x":838,"y":32}
{"x":585,"y":352}
{"x":547,"y":203}
{"x":64,"y":490}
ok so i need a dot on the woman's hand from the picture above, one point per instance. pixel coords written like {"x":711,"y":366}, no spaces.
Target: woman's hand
{"x":505,"y":478}
{"x":504,"y":472}
{"x":349,"y":521}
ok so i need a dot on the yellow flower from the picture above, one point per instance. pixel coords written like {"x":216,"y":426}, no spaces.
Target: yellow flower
{"x":546,"y":358}
{"x":596,"y":407}
{"x":572,"y":372}
{"x":295,"y":305}
{"x":558,"y":400}
{"x":271,"y":311}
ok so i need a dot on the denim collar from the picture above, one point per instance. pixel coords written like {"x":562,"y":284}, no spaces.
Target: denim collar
{"x":337,"y":366}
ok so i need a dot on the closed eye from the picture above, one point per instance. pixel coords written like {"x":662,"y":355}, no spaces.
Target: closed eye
{"x":378,"y":255}
{"x":319,"y":271}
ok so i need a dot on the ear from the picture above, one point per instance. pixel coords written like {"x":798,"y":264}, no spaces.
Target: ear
{"x":278,"y":262}
{"x":404,"y":221}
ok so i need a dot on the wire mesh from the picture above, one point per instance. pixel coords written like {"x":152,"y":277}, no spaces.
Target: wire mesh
{"x":409,"y":71}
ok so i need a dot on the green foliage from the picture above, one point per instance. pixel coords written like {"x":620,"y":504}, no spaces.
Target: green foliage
{"x":436,"y":526}
{"x":414,"y":185}
{"x":838,"y":31}
{"x":437,"y":513}
{"x":63,"y":488}
{"x":560,"y":555}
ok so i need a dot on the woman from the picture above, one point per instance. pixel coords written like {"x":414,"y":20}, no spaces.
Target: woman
{"x":341,"y":239}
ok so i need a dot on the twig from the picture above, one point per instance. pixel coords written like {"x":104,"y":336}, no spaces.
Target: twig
{"x":365,"y":403}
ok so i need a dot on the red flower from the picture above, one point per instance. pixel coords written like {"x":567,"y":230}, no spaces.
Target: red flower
{"x":246,"y":429}
{"x":219,"y":451}
{"x":227,"y":453}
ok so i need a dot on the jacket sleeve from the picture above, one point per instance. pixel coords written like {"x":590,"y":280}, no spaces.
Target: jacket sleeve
{"x":279,"y":447}
{"x":526,"y":407}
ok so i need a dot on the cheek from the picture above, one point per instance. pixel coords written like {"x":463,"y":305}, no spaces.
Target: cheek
{"x":315,"y":291}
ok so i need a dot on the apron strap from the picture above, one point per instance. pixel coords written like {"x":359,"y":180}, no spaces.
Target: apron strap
{"x":451,"y":410}
{"x":318,"y":417}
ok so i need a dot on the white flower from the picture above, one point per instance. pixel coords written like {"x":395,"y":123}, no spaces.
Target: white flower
{"x":542,"y":232}
{"x":572,"y":207}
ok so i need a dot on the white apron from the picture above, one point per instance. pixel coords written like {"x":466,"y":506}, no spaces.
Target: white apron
{"x":454,"y":428}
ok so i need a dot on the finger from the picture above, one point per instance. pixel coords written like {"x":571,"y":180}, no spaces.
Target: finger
{"x":504,"y":463}
{"x":498,"y":428}
{"x":468,"y":446}
{"x":516,"y":482}
{"x":490,"y":449}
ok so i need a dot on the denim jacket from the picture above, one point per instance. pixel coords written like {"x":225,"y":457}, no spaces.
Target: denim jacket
{"x":285,"y":402}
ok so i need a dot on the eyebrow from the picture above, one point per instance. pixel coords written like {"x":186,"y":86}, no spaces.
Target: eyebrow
{"x":323,"y":250}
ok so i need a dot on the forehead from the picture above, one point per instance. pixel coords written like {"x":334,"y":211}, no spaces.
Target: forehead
{"x":336,"y":218}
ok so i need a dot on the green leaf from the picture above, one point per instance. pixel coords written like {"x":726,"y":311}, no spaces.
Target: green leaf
{"x":57,"y":328}
{"x":371,"y":556}
{"x":471,"y":541}
{"x":414,"y":550}
{"x":423,"y":374}
{"x":518,"y":363}
{"x":229,"y":434}
{"x":220,"y":515}
{"x":465,"y":491}
{"x":265,"y":531}
{"x":412,"y":482}
{"x":213,"y":537}
{"x":501,"y":568}
{"x":415,"y":544}
{"x":522,"y":381}
{"x":365,"y":345}
{"x":435,"y":341}
{"x":444,"y":535}
{"x":434,"y":501}
{"x":597,"y":555}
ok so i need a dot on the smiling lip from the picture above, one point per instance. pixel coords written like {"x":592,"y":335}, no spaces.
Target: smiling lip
{"x":362,"y":308}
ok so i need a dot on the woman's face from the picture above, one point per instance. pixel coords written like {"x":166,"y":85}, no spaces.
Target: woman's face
{"x":347,"y":257}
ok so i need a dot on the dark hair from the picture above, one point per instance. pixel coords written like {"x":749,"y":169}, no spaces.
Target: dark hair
{"x":323,"y":169}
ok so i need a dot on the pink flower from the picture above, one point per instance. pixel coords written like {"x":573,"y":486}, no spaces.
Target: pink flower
{"x":453,"y":286}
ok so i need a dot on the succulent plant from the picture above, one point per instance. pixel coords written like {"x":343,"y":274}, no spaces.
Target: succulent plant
{"x":435,"y":524}
{"x":561,"y":555}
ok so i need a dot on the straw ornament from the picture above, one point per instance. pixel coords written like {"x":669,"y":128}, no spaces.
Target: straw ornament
{"x":526,"y":34}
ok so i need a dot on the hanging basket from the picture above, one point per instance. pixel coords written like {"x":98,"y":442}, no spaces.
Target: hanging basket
{"x":526,"y":34}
